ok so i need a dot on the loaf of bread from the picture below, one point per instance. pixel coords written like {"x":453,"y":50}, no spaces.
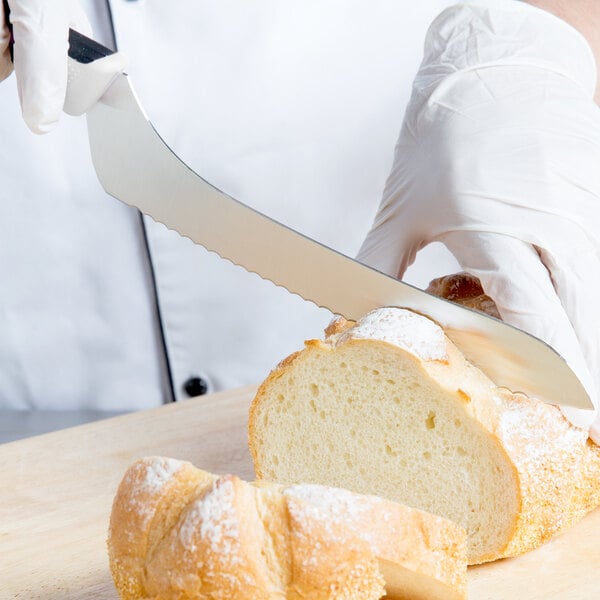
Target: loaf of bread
{"x":389,"y":406}
{"x":180,"y":533}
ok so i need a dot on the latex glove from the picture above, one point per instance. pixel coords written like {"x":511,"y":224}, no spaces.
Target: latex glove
{"x":40,"y":30}
{"x":499,"y":159}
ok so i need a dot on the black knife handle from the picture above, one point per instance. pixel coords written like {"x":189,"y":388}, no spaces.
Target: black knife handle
{"x":81,"y":48}
{"x":85,"y":50}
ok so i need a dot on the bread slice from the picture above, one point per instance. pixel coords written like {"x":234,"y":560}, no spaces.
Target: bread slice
{"x":179,"y":533}
{"x":389,"y":406}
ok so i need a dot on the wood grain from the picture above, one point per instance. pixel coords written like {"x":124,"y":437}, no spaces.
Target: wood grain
{"x":56,"y":492}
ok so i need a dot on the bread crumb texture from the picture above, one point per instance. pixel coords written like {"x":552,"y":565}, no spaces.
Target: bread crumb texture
{"x":390,"y":407}
{"x":177,"y":532}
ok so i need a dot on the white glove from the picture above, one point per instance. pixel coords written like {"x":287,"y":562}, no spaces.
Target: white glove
{"x":499,"y":159}
{"x":41,"y":31}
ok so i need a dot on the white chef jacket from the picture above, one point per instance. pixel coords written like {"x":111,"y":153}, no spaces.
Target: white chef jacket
{"x":293,"y":108}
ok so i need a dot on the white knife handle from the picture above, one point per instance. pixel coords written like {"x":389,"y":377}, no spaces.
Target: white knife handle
{"x":92,"y":68}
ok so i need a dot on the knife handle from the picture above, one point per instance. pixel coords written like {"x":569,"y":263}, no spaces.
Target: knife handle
{"x":91,"y":69}
{"x":84,"y":50}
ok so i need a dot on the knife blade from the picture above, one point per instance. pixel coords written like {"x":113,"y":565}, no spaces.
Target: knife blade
{"x":136,"y":166}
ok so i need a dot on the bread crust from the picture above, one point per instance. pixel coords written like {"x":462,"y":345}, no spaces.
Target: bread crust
{"x":558,"y":467}
{"x":147,"y":502}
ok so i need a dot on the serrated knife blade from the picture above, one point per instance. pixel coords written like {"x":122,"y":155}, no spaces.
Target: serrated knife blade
{"x":137,"y":167}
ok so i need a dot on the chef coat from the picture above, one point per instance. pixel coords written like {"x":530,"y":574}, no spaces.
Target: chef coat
{"x":292,"y":108}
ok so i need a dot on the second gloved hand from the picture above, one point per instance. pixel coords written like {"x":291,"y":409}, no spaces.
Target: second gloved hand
{"x":41,"y":32}
{"x":498,"y":159}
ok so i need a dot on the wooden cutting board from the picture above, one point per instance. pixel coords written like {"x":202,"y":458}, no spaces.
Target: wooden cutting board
{"x":56,"y":492}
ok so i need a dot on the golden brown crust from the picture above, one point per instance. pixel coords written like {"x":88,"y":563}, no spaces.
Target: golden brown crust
{"x":338,"y":325}
{"x":222,"y":531}
{"x":230,"y":539}
{"x":142,"y":507}
{"x":558,"y":466}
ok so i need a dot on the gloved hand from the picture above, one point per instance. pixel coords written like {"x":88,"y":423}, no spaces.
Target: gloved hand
{"x":41,"y":30}
{"x":498,"y":158}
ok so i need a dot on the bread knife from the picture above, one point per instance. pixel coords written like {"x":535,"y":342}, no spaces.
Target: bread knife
{"x":136,"y":166}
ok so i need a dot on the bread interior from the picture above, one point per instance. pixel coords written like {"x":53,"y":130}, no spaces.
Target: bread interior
{"x":367,"y":417}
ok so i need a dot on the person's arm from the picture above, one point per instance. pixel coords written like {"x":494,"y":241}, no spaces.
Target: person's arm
{"x":583,"y":15}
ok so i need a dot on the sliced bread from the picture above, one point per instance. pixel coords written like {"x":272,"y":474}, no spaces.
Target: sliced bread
{"x":179,"y":533}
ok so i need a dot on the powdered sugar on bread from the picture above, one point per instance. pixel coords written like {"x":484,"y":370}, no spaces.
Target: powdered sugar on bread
{"x":148,"y":479}
{"x":212,"y":518}
{"x":334,"y":505}
{"x":158,"y":471}
{"x":408,"y":330}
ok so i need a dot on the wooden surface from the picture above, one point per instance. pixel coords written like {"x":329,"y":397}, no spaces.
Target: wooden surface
{"x":56,"y":492}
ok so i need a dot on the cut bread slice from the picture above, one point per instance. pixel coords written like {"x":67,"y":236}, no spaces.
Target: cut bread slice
{"x":389,"y":406}
{"x":178,"y":533}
